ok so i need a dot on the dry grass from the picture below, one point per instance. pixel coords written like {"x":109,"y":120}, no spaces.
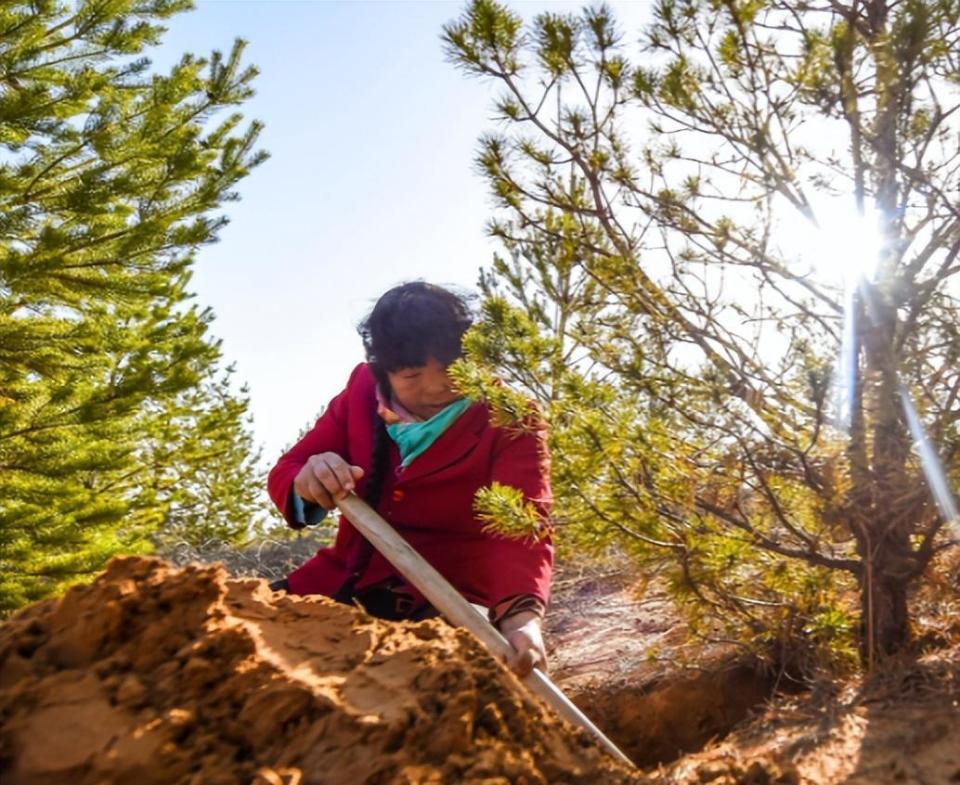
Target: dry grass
{"x":263,"y":558}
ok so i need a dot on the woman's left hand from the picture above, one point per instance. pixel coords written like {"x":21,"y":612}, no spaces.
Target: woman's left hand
{"x":523,"y":632}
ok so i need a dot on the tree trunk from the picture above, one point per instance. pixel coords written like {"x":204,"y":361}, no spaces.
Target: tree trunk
{"x":884,"y":624}
{"x":887,"y":511}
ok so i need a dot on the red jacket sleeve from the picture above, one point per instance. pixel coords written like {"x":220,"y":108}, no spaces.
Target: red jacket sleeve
{"x":522,"y":461}
{"x":329,"y":434}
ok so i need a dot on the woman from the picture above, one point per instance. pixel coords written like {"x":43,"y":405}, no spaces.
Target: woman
{"x":417,"y":451}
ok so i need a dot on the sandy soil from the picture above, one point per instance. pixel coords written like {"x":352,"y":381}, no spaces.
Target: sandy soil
{"x":605,"y":628}
{"x":156,"y":675}
{"x":901,"y":725}
{"x":618,"y":648}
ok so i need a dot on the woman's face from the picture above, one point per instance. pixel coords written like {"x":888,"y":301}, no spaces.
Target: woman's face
{"x":423,"y":391}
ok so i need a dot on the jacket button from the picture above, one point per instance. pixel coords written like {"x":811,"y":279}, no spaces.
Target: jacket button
{"x":398,"y":495}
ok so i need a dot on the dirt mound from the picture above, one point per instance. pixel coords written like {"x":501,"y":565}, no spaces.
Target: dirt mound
{"x":158,"y":675}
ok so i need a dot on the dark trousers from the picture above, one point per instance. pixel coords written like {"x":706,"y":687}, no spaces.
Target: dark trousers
{"x":382,"y":601}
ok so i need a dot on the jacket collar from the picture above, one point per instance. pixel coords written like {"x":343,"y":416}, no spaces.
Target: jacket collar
{"x":452,"y":445}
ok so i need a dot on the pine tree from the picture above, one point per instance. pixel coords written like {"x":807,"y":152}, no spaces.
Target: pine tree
{"x":200,"y":471}
{"x":672,"y":175}
{"x":111,"y":177}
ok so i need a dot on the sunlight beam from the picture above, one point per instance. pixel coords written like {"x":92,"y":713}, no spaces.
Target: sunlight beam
{"x":931,"y":463}
{"x":842,"y":246}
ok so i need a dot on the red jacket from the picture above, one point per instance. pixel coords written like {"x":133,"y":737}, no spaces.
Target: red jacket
{"x":430,"y":503}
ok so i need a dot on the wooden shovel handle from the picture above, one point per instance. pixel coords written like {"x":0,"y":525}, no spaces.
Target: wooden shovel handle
{"x":446,"y":599}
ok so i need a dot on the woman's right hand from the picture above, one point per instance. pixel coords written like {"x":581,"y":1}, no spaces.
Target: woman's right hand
{"x":325,"y":479}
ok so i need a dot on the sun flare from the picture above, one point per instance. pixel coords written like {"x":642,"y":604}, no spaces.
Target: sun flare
{"x":836,"y":242}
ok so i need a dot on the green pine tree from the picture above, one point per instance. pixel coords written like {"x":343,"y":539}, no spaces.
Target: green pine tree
{"x":666,"y":174}
{"x":200,"y":470}
{"x":111,"y":177}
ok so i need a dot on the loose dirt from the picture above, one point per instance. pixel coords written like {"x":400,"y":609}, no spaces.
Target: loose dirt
{"x":153,"y":675}
{"x":158,"y":675}
{"x":900,"y":726}
{"x":618,"y":649}
{"x":606,"y":628}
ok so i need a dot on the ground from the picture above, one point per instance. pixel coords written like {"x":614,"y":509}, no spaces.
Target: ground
{"x":899,"y":724}
{"x":154,"y":674}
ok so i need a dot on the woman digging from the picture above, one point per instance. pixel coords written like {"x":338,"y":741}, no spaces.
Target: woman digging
{"x":417,"y":451}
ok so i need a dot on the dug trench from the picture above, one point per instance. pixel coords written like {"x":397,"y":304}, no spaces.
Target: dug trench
{"x":658,"y":722}
{"x":153,"y":674}
{"x":898,"y":723}
{"x":617,"y":648}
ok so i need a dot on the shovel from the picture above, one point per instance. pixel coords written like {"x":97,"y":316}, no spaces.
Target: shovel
{"x":432,"y":585}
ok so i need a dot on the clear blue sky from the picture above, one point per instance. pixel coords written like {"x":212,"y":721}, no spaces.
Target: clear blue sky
{"x":371,"y":182}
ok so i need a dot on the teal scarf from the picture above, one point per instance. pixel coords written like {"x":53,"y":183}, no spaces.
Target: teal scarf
{"x":413,"y":438}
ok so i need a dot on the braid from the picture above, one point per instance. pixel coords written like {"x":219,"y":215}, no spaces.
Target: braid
{"x":379,"y":463}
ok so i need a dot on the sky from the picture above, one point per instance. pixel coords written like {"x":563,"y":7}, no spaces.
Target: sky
{"x":371,"y":182}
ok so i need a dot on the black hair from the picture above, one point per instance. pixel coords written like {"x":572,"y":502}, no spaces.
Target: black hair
{"x":413,"y":322}
{"x":408,"y":325}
